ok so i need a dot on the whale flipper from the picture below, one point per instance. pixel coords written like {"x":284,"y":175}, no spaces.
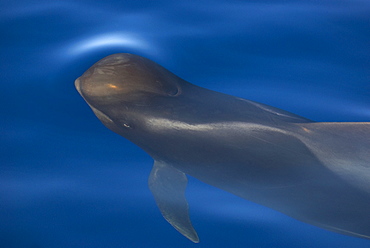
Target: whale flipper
{"x":168,"y":187}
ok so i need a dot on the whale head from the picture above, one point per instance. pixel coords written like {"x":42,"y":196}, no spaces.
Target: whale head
{"x":125,"y":78}
{"x":122,"y":89}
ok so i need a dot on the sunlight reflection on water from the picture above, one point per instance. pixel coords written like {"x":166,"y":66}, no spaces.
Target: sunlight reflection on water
{"x":107,"y":40}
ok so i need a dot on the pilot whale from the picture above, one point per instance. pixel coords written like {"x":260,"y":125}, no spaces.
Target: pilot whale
{"x":315,"y":172}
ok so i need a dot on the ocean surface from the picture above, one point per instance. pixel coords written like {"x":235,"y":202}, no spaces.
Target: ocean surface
{"x":67,"y":181}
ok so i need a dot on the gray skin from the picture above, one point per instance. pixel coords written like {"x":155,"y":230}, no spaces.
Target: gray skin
{"x":318,"y":173}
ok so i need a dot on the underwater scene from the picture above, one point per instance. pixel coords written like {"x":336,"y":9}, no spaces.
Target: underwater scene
{"x":66,"y":180}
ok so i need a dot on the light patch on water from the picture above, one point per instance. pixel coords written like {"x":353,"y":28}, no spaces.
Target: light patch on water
{"x":107,"y":40}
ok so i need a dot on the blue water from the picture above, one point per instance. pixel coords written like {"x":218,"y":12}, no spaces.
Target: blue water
{"x":67,"y":181}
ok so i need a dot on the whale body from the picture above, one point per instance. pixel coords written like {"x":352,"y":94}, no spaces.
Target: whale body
{"x":315,"y":172}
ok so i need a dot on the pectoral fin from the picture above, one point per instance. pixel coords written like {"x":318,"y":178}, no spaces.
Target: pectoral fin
{"x":168,"y":187}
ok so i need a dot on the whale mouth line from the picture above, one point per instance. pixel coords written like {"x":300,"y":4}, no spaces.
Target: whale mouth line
{"x":101,"y":116}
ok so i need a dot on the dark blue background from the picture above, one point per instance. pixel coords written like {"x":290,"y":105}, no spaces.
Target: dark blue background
{"x":67,"y":181}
